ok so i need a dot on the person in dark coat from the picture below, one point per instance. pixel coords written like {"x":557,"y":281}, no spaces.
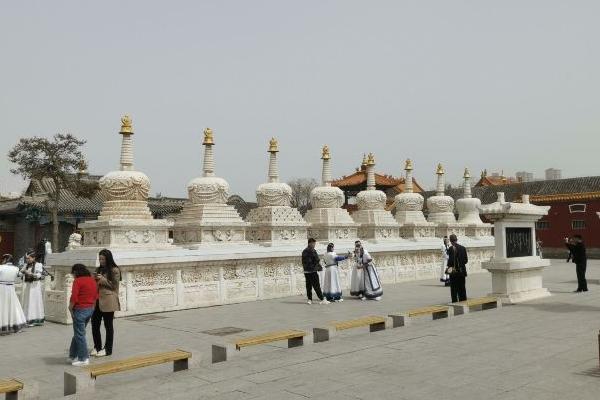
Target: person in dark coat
{"x":311,"y":264}
{"x":457,"y":270}
{"x":577,"y":249}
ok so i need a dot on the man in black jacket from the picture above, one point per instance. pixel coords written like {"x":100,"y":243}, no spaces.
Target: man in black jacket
{"x":457,"y":270}
{"x":311,"y":264}
{"x":579,"y":257}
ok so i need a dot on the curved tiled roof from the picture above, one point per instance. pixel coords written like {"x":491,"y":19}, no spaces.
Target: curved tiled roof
{"x":359,"y":178}
{"x":541,"y":191}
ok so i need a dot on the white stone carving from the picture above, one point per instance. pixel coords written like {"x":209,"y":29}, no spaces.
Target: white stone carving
{"x":409,"y":210}
{"x":468,"y":211}
{"x":515,"y":277}
{"x":274,"y":222}
{"x":440,"y":206}
{"x":207,"y":218}
{"x":376,"y":223}
{"x":125,"y":219}
{"x":177,"y":278}
{"x":327,"y":220}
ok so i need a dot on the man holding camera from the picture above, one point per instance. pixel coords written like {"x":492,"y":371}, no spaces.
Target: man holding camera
{"x":577,"y":250}
{"x":457,"y":270}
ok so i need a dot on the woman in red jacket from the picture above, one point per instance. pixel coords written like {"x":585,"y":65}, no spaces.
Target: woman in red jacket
{"x":83,"y":299}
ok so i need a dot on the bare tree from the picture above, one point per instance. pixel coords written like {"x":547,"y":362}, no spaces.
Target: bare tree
{"x":301,"y":188}
{"x":59,"y":159}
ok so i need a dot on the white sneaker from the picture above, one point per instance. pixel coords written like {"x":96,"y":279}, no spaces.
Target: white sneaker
{"x":377,"y":298}
{"x":101,"y":353}
{"x":324,"y":301}
{"x":78,"y":363}
{"x":309,"y":302}
{"x":93,"y":352}
{"x":339,"y":300}
{"x":363,"y":299}
{"x":71,"y":360}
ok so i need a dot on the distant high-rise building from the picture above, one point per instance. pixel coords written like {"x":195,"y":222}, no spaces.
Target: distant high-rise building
{"x":524,"y":176}
{"x":553,"y":173}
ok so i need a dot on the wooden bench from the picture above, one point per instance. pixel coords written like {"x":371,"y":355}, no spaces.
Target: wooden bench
{"x":11,"y":388}
{"x":374,"y":322}
{"x":14,"y":389}
{"x":79,"y":380}
{"x":403,"y":319}
{"x":481,"y":303}
{"x":221,"y":352}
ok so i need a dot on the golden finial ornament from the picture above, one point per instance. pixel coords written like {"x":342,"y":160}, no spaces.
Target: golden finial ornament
{"x":273,"y":146}
{"x":126,"y":126}
{"x":364,"y":160}
{"x":440,"y":170}
{"x":467,"y":173}
{"x":326,"y":155}
{"x":208,"y":137}
{"x":371,"y":159}
{"x":409,"y":165}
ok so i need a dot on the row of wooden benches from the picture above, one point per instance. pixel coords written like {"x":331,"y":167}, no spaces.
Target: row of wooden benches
{"x":83,"y":380}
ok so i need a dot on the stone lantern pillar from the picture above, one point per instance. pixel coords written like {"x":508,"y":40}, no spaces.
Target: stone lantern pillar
{"x":516,"y":269}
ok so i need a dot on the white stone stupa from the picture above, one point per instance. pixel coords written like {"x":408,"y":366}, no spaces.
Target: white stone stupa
{"x":274,"y":222}
{"x":125,"y":220}
{"x":468,"y":211}
{"x":441,"y":209}
{"x":207,"y":218}
{"x":376,"y":223}
{"x":327,"y":219}
{"x":409,"y":210}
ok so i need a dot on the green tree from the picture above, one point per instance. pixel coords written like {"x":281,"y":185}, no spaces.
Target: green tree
{"x":59,"y":159}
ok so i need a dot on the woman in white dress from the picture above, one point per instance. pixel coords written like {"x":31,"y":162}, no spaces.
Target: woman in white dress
{"x":373,"y":289}
{"x":12,"y":318}
{"x":357,"y":282}
{"x":332,"y":290}
{"x":33,"y":298}
{"x":444,"y":277}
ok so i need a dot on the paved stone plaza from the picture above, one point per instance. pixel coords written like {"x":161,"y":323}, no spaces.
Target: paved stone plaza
{"x":545,"y":349}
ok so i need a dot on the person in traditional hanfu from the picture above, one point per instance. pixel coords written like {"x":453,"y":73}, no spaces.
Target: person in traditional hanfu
{"x":373,"y":289}
{"x":12,"y":318}
{"x":357,"y":281}
{"x":332,"y":290}
{"x":33,"y":299}
{"x":444,"y":277}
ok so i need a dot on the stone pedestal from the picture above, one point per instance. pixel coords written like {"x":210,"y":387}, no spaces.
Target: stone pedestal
{"x":149,"y":234}
{"x":516,"y":269}
{"x":517,"y":279}
{"x":276,"y":225}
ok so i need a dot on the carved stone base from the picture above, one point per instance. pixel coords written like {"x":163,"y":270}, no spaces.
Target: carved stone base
{"x":478,"y":231}
{"x":331,"y":224}
{"x":411,"y":217}
{"x":444,"y":229}
{"x":151,"y":234}
{"x":417,"y":230}
{"x":376,"y":224}
{"x":276,"y":225}
{"x":441,"y":218}
{"x":209,"y":224}
{"x":177,"y":279}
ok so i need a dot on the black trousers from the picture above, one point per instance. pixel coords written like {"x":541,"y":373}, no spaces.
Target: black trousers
{"x":458,"y":290}
{"x":97,"y":318}
{"x":312,"y":282}
{"x":581,"y":282}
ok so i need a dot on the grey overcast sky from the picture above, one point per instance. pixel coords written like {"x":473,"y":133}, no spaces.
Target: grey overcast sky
{"x":502,"y":85}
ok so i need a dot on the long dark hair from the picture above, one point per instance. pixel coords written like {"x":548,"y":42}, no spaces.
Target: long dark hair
{"x":78,"y":270}
{"x":110,"y":264}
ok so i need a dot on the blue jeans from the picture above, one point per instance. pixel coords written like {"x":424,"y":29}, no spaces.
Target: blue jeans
{"x":81,"y":317}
